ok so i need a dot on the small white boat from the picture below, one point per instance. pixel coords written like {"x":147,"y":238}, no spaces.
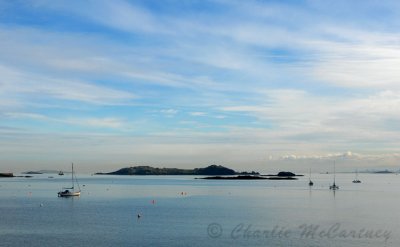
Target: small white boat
{"x":67,"y":192}
{"x":334,"y":186}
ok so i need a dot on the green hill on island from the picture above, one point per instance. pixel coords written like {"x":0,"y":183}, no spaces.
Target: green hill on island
{"x":148,"y":170}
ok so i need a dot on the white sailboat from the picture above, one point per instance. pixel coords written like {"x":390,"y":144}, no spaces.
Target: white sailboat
{"x":67,"y":192}
{"x":356,"y":180}
{"x":310,"y":183}
{"x":334,"y":186}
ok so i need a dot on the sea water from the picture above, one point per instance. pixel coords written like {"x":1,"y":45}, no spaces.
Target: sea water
{"x":184,"y":211}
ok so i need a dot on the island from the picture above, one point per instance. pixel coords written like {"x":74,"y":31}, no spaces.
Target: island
{"x":32,"y":172}
{"x":383,"y":172}
{"x":279,"y":176}
{"x":240,"y":177}
{"x":11,"y":175}
{"x":41,"y":172}
{"x":6,"y":175}
{"x":284,"y":174}
{"x":216,"y":170}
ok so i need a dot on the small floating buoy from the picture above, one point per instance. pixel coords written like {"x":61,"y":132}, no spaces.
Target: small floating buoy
{"x":138,"y":216}
{"x":41,"y":204}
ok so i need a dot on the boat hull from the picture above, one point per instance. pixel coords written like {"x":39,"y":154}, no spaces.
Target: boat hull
{"x":334,"y":187}
{"x":69,"y":194}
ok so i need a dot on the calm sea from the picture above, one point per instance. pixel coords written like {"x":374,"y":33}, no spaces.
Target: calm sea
{"x":183,"y":211}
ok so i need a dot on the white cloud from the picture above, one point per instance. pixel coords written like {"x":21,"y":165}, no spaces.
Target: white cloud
{"x":169,"y":112}
{"x":360,"y":65}
{"x":335,"y":156}
{"x":198,"y":114}
{"x":333,"y":122}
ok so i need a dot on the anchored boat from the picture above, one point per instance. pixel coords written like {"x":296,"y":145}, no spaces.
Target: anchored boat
{"x":70,"y":191}
{"x":334,"y":186}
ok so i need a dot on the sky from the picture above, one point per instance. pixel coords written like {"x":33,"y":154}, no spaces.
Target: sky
{"x":252,"y":85}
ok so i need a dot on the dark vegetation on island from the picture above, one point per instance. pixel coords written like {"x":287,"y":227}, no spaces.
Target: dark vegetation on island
{"x":215,"y":170}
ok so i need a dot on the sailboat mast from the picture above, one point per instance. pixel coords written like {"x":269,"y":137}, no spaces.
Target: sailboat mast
{"x":334,"y":172}
{"x":72,"y":176}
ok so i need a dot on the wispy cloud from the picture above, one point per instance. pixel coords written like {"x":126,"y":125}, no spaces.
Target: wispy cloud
{"x":98,"y":122}
{"x":119,"y":15}
{"x":16,"y":82}
{"x":92,"y":122}
{"x":198,"y":114}
{"x":169,"y":112}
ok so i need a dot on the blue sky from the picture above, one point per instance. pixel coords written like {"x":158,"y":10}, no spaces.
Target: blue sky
{"x":253,"y":85}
